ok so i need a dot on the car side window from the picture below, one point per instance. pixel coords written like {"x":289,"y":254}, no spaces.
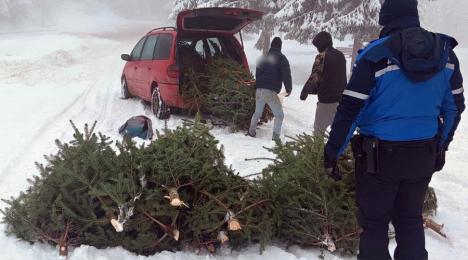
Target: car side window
{"x":136,"y":53}
{"x":163,"y":47}
{"x":148,"y":50}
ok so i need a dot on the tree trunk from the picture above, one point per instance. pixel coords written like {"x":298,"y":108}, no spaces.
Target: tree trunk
{"x":263,"y":42}
{"x":357,"y":45}
{"x":266,"y":42}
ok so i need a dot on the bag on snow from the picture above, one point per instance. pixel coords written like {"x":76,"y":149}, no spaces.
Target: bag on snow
{"x":138,"y":126}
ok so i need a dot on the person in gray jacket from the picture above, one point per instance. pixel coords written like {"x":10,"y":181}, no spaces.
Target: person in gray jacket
{"x":272,"y":71}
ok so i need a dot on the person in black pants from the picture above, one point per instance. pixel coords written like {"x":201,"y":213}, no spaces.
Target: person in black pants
{"x":396,"y":193}
{"x":405,"y":98}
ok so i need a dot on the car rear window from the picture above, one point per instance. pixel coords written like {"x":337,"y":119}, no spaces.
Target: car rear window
{"x":148,"y":50}
{"x":163,"y":47}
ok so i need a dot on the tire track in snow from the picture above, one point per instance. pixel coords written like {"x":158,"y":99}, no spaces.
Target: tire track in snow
{"x":87,"y":105}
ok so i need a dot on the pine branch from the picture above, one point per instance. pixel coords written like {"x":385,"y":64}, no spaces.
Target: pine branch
{"x":251,"y":206}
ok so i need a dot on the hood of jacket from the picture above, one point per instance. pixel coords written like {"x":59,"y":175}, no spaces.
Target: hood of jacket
{"x":400,"y":24}
{"x":323,"y":41}
{"x":421,"y":54}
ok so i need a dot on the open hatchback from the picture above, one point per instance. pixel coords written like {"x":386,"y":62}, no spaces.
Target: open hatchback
{"x":228,"y":21}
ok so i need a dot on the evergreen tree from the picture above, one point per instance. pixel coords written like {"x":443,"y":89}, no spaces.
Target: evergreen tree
{"x":302,"y":20}
{"x":58,"y":208}
{"x":311,"y":209}
{"x":224,"y":89}
{"x":177,"y":193}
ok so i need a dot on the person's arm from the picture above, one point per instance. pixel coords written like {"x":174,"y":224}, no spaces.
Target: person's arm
{"x":355,"y":97}
{"x":286,"y":75}
{"x":452,"y":106}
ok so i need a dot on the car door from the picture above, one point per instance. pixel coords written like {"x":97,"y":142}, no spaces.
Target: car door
{"x":132,"y":67}
{"x":146,"y":69}
{"x":162,"y":60}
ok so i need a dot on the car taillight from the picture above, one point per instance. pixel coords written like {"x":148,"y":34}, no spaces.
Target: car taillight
{"x":173,"y":71}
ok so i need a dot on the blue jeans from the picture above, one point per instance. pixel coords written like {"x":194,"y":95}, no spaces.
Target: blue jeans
{"x":270,"y":97}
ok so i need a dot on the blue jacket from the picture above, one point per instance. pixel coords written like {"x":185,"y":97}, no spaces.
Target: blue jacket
{"x":406,"y":86}
{"x":272,"y":71}
{"x":137,"y":126}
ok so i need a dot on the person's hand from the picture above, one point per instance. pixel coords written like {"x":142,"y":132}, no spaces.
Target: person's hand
{"x":288,"y":94}
{"x":440,"y":161}
{"x":332,"y":170}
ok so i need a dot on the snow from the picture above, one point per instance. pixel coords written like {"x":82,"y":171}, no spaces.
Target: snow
{"x":49,"y":77}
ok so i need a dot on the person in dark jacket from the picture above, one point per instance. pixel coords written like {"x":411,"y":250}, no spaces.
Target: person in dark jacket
{"x":406,"y":98}
{"x":328,"y":81}
{"x":272,"y":71}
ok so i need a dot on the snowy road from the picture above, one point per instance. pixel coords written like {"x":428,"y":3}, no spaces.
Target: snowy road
{"x":49,"y":78}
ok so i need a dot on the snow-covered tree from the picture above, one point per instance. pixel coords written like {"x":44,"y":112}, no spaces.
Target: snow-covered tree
{"x":303,"y":19}
{"x":13,"y":11}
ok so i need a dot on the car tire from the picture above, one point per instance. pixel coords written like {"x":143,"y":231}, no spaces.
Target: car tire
{"x":158,"y":106}
{"x":124,"y":89}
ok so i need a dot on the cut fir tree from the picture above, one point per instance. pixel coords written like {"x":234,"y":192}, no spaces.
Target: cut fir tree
{"x":310,"y":208}
{"x":59,"y":207}
{"x":170,"y":195}
{"x":223,"y":89}
{"x":178,"y":194}
{"x":185,"y":173}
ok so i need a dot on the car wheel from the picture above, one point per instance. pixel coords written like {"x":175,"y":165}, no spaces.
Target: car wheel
{"x":159,"y":108}
{"x":124,"y":89}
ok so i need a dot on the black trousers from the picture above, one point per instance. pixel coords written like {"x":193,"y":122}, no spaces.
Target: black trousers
{"x":395,"y":194}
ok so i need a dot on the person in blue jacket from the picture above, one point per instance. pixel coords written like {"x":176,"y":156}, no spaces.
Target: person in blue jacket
{"x":405,"y":99}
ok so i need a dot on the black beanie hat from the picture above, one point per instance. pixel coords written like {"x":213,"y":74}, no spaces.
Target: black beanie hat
{"x":277,"y":43}
{"x":394,"y":9}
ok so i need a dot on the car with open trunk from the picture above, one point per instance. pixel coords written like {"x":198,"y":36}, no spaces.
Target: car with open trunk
{"x":153,"y":69}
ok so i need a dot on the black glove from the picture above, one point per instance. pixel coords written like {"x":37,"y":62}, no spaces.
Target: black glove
{"x":331,"y":168}
{"x":440,"y":161}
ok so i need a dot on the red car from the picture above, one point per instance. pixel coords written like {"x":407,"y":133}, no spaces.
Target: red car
{"x":152,"y":71}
